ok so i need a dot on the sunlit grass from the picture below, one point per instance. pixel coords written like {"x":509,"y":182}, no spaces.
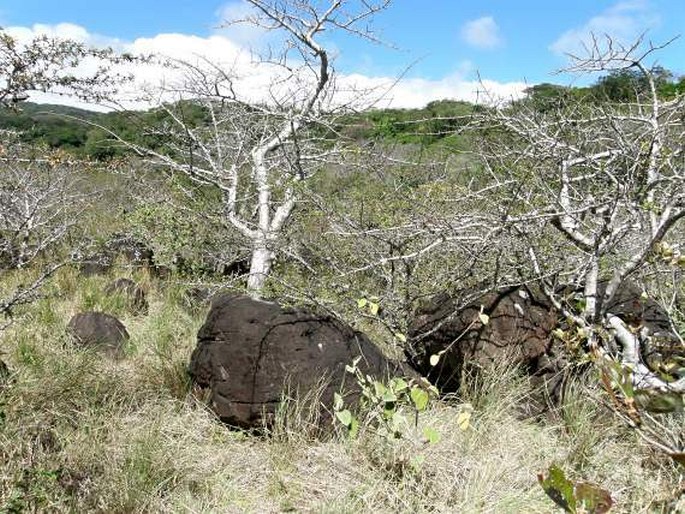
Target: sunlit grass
{"x":82,"y":433}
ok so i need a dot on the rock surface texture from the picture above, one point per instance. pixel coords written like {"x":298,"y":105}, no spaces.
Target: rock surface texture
{"x":521,"y":321}
{"x":250,"y":353}
{"x":99,"y":330}
{"x":519,"y":328}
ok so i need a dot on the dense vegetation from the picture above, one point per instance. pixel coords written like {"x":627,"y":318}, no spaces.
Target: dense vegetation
{"x":563,"y":190}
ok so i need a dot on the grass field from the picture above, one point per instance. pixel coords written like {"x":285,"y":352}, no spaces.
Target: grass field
{"x":83,"y":433}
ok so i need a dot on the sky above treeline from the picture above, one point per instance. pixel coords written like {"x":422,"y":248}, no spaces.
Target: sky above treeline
{"x":442,"y":48}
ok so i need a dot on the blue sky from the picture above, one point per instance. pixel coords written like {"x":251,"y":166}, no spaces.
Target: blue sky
{"x":447,"y":42}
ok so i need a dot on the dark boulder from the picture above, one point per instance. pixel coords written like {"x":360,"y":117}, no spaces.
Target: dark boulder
{"x":645,"y":316}
{"x":4,"y":373}
{"x":521,"y":322}
{"x":99,"y":330}
{"x":161,"y":272}
{"x":250,"y":353}
{"x":211,"y":264}
{"x":135,"y":253}
{"x":226,"y":266}
{"x":629,"y":304}
{"x":132,"y":293}
{"x":9,"y":254}
{"x":94,"y":264}
{"x":519,"y":328}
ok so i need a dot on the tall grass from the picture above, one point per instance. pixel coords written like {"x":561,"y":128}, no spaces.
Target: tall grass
{"x":82,"y":433}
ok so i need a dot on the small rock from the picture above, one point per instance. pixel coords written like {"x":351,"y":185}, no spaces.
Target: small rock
{"x":99,"y":330}
{"x":132,"y":292}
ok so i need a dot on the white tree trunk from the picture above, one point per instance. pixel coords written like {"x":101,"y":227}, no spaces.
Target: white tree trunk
{"x":260,"y":266}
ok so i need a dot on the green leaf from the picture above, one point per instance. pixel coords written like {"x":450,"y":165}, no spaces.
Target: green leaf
{"x":559,"y":488}
{"x":379,"y":388}
{"x":389,"y":396}
{"x":400,"y":337}
{"x":484,"y":318}
{"x":420,"y":398}
{"x":362,"y":302}
{"x":398,"y":423}
{"x":353,"y":428}
{"x":431,"y":435}
{"x":345,"y":417}
{"x":398,"y":384}
{"x":373,"y":308}
{"x":337,"y":401}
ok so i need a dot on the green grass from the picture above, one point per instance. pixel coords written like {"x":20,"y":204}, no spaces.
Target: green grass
{"x":82,"y":433}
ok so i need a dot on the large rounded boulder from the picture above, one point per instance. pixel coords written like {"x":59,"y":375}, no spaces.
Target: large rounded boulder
{"x":250,"y":353}
{"x":100,"y":331}
{"x":519,"y":325}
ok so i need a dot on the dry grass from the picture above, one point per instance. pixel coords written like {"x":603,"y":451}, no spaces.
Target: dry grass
{"x":81,"y":433}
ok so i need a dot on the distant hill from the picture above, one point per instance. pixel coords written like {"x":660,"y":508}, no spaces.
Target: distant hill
{"x":76,"y":130}
{"x":56,"y":126}
{"x":34,"y":109}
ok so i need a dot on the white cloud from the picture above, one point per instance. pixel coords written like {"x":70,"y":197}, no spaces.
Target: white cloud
{"x":624,"y":22}
{"x":231,"y":24}
{"x":65,"y":31}
{"x":417,"y":92}
{"x":481,"y":33}
{"x":255,"y":80}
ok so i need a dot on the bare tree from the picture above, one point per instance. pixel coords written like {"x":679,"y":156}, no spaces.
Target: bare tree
{"x":41,"y":200}
{"x":598,"y":191}
{"x":40,"y":197}
{"x":257,"y":149}
{"x":52,"y":64}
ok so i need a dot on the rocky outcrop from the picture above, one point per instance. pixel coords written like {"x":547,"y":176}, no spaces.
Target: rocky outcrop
{"x":250,"y":353}
{"x":135,"y":253}
{"x":519,"y":328}
{"x":100,"y":331}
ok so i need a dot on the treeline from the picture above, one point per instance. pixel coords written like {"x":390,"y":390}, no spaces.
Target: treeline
{"x":618,"y":86}
{"x":88,"y":134}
